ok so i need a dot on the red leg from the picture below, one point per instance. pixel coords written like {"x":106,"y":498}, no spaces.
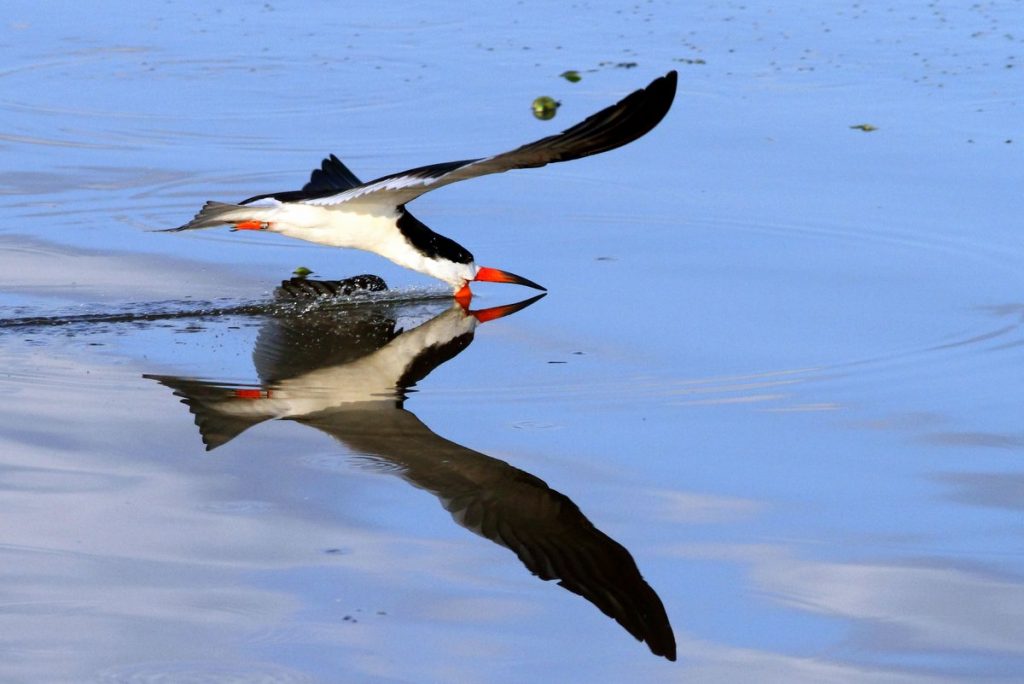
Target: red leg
{"x":251,"y":394}
{"x":464,"y":296}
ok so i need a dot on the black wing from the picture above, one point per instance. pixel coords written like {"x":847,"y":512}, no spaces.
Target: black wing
{"x":615,"y":126}
{"x":331,"y":178}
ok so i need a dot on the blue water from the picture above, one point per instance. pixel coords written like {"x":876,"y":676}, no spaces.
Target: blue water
{"x":778,"y":364}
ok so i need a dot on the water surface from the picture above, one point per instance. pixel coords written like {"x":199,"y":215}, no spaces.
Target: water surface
{"x":774,"y":386}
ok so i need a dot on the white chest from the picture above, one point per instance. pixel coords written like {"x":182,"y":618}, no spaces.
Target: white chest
{"x":371,"y":231}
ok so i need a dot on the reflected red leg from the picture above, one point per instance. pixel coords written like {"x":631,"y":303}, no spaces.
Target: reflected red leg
{"x":464,"y":296}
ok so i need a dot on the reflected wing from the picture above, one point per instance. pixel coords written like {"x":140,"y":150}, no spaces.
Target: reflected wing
{"x":511,"y":507}
{"x":613,"y":127}
{"x":322,"y":360}
{"x":290,"y":346}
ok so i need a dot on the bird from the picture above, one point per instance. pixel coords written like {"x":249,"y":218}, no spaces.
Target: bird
{"x":335,"y":208}
{"x":348,"y":375}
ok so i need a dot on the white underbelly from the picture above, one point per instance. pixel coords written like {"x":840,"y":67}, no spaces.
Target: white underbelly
{"x":335,"y":227}
{"x":373,"y":232}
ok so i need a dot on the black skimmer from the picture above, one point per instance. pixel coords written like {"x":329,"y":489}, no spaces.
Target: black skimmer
{"x":347,"y":374}
{"x":335,"y":208}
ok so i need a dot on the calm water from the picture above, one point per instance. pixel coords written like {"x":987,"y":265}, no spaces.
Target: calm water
{"x":769,"y":412}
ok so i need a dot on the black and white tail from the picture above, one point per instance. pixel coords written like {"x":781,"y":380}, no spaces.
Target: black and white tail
{"x":219,"y":214}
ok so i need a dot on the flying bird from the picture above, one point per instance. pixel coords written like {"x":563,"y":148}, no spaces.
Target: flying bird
{"x":335,"y":208}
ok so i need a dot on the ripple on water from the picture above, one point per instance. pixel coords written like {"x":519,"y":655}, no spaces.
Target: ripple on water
{"x":198,"y":672}
{"x":58,"y":480}
{"x":239,"y":507}
{"x":903,"y":330}
{"x":101,"y":108}
{"x":328,"y":462}
{"x":322,"y":633}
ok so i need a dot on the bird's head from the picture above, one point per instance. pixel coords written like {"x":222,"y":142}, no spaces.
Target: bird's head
{"x":491,"y":275}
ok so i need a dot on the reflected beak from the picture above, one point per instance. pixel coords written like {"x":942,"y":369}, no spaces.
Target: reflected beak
{"x":495,"y":312}
{"x":493,"y":275}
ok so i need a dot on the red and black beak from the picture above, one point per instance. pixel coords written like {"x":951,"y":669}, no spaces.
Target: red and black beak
{"x":493,"y":275}
{"x":495,"y":312}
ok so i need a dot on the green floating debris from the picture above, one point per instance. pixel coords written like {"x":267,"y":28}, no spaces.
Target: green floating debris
{"x":544,"y":107}
{"x":572,"y":76}
{"x":301,"y":272}
{"x":866,"y":127}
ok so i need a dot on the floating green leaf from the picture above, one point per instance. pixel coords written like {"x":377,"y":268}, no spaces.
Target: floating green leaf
{"x":572,"y":76}
{"x":544,"y":107}
{"x":866,"y":127}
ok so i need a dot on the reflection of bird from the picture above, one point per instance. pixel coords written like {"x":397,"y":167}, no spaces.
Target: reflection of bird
{"x":335,"y":208}
{"x":347,"y":376}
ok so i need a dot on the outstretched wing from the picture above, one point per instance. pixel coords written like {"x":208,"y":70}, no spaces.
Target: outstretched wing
{"x":623,"y":122}
{"x":331,"y":178}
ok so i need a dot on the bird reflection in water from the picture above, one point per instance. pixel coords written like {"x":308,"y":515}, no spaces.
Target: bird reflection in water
{"x":347,"y":373}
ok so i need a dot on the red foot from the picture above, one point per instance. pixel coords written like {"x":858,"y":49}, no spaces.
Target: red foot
{"x":464,"y":296}
{"x":250,"y":225}
{"x":252,"y":394}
